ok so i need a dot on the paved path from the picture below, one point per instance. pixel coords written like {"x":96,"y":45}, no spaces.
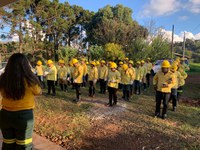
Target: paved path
{"x":40,"y":143}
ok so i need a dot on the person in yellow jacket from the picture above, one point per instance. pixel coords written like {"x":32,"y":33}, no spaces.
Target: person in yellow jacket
{"x":103,"y":73}
{"x":40,"y":73}
{"x":92,"y":78}
{"x":143,"y":75}
{"x":163,"y":82}
{"x":126,"y":78}
{"x":83,"y":63}
{"x":51,"y":76}
{"x":149,"y":68}
{"x":173,"y":95}
{"x":18,"y":102}
{"x":77,"y":76}
{"x":132,"y":72}
{"x":138,"y":78}
{"x":119,"y":68}
{"x":62,"y":75}
{"x":113,"y":80}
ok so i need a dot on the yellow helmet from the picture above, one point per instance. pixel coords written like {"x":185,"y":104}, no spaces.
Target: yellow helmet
{"x":121,"y":63}
{"x":113,"y":65}
{"x":61,"y":61}
{"x":126,"y":58}
{"x":125,"y":67}
{"x":130,"y":62}
{"x":39,"y":63}
{"x":138,"y":62}
{"x":97,"y":63}
{"x":74,"y":61}
{"x":142,"y":62}
{"x":103,"y":61}
{"x":148,"y":58}
{"x":165,"y":64}
{"x":87,"y":63}
{"x":49,"y":62}
{"x":174,"y":67}
{"x":93,"y":63}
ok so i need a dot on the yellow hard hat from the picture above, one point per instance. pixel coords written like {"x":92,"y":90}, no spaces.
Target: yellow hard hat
{"x":97,"y":63}
{"x":87,"y":62}
{"x":49,"y":62}
{"x":113,"y":65}
{"x":39,"y":63}
{"x":126,"y":58}
{"x":138,"y":62}
{"x":148,"y":58}
{"x":121,"y":63}
{"x":174,"y":67}
{"x":74,"y":61}
{"x":142,"y":62}
{"x":61,"y":61}
{"x":103,"y":61}
{"x":130,"y":62}
{"x":125,"y":67}
{"x":93,"y":63}
{"x":165,"y":64}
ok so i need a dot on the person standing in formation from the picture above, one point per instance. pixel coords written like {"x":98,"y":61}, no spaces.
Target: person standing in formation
{"x":103,"y":73}
{"x":92,"y":77}
{"x":62,"y":75}
{"x":39,"y":69}
{"x":149,"y":68}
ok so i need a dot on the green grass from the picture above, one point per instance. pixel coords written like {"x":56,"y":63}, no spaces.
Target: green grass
{"x":194,"y":68}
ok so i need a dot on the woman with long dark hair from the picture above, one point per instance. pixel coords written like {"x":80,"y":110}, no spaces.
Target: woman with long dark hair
{"x":18,"y":85}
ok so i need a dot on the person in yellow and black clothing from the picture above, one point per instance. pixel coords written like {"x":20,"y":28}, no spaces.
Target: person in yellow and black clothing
{"x":138,"y":78}
{"x":51,"y":76}
{"x":120,"y":71}
{"x":39,"y":69}
{"x":149,"y":68}
{"x":62,"y":75}
{"x":132,"y":72}
{"x":103,"y":73}
{"x":126,"y":78}
{"x":77,"y":76}
{"x":18,"y":87}
{"x":163,"y":82}
{"x":83,"y":63}
{"x":113,"y":80}
{"x":92,"y":77}
{"x":143,"y":75}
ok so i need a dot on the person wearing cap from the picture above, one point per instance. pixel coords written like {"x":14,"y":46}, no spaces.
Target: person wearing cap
{"x":173,"y":95}
{"x":163,"y":82}
{"x":120,"y":71}
{"x":103,"y":73}
{"x":62,"y":75}
{"x":143,"y":75}
{"x":126,"y":60}
{"x":77,"y":75}
{"x":113,"y":80}
{"x":92,"y":77}
{"x":84,"y":72}
{"x":51,"y":76}
{"x":131,"y":70}
{"x":40,"y":73}
{"x":149,"y":68}
{"x":88,"y":69}
{"x":126,"y":78}
{"x":138,"y":78}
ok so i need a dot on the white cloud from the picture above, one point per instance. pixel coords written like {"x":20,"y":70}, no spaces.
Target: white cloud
{"x":161,"y":7}
{"x":183,"y":18}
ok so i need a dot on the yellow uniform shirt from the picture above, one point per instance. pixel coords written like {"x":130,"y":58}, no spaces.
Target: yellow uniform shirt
{"x":177,"y":79}
{"x":84,"y":69}
{"x":113,"y":79}
{"x":77,"y":74}
{"x":27,"y":102}
{"x":62,"y":72}
{"x":103,"y":72}
{"x":93,"y":74}
{"x":39,"y":70}
{"x":184,"y":75}
{"x":149,"y":67}
{"x":161,"y":79}
{"x":132,"y":72}
{"x":138,"y":74}
{"x":52,"y":73}
{"x":126,"y":77}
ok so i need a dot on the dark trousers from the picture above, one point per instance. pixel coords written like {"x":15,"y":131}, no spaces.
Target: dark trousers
{"x":78,"y":90}
{"x":84,"y":81}
{"x":173,"y":97}
{"x":148,"y":79}
{"x":179,"y":92}
{"x":102,"y":86}
{"x":91,"y":88}
{"x":126,"y":91}
{"x":137,"y":87}
{"x":51,"y":86}
{"x":17,"y":129}
{"x":112,"y":95}
{"x":63,"y":85}
{"x":159,"y":97}
{"x":41,"y":79}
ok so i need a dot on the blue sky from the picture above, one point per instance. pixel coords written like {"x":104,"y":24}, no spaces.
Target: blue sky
{"x":184,"y":14}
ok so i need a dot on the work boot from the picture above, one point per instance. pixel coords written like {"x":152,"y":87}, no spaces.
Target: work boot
{"x":164,"y":116}
{"x":174,"y":109}
{"x":157,"y":115}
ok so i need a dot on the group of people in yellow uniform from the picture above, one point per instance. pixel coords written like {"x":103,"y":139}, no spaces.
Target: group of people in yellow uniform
{"x":168,"y":82}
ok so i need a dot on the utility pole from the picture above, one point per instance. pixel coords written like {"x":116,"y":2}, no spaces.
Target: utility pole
{"x":172,"y":44}
{"x":184,"y":46}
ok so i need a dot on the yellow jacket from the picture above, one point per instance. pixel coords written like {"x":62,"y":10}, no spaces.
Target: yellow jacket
{"x":103,"y":72}
{"x":27,"y":102}
{"x":126,"y":76}
{"x":85,"y":70}
{"x":113,"y":79}
{"x":138,"y":74}
{"x":52,"y":73}
{"x":177,"y":79}
{"x":62,"y":72}
{"x":77,"y":74}
{"x":39,"y":70}
{"x":132,"y":73}
{"x":93,"y":74}
{"x":183,"y":77}
{"x":149,"y":67}
{"x":143,"y":71}
{"x":164,"y":82}
{"x":120,"y":69}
